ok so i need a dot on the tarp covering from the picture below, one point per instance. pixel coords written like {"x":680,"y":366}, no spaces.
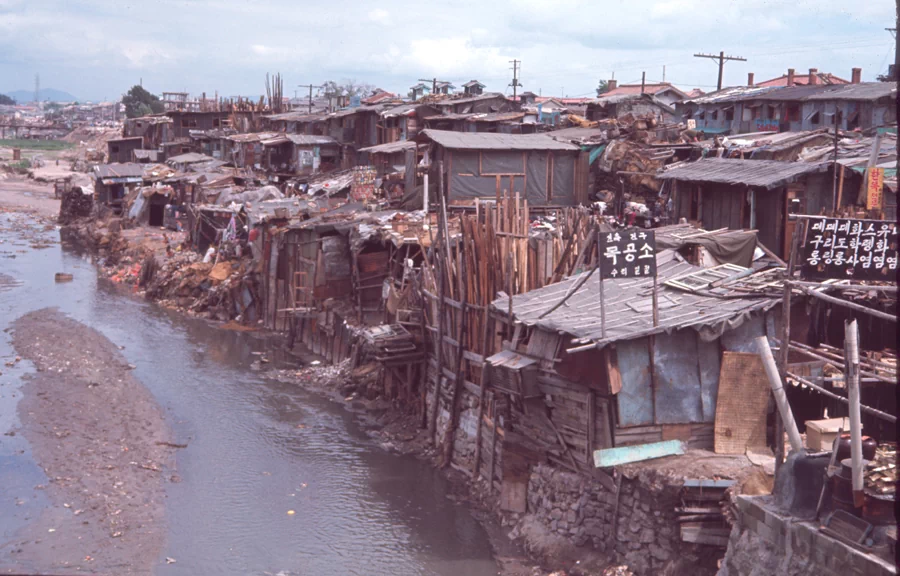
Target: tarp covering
{"x":732,"y":247}
{"x":259,"y":195}
{"x":475,"y":174}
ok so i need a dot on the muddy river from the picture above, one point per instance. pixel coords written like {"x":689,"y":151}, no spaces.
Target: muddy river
{"x":256,"y":448}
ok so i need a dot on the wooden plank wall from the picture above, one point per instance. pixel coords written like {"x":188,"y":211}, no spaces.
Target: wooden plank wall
{"x":460,"y":279}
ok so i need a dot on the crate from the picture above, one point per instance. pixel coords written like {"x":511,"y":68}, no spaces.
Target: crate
{"x":820,"y":434}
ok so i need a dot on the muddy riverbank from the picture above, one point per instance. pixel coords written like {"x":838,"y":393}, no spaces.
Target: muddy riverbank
{"x":104,"y":444}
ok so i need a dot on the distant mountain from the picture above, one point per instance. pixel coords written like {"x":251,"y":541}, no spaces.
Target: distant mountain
{"x":27,"y":96}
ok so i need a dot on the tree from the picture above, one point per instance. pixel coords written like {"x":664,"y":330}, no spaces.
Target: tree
{"x":351,"y":87}
{"x":602,"y":88}
{"x":6,"y":100}
{"x":138,"y":102}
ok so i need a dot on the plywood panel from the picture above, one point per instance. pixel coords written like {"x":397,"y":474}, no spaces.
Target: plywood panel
{"x":741,"y":404}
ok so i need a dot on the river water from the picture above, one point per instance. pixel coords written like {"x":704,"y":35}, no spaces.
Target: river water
{"x":256,"y":447}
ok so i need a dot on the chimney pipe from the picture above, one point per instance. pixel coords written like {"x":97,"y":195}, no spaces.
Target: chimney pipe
{"x":790,"y":78}
{"x":813,"y":76}
{"x":750,"y":79}
{"x":611,"y":84}
{"x":856,"y":76}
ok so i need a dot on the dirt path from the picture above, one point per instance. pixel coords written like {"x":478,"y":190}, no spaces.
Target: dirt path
{"x":99,"y":436}
{"x":23,"y":195}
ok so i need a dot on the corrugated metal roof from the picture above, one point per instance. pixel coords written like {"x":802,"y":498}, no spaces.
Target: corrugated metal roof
{"x":451,"y":116}
{"x":454,"y":101}
{"x":758,"y":173}
{"x":190,"y":158}
{"x":732,"y":94}
{"x":625,"y":304}
{"x":116,"y":170}
{"x":390,"y":148}
{"x":862,"y":91}
{"x":496,"y":117}
{"x":648,"y":89}
{"x":486,"y":141}
{"x":401,"y":110}
{"x":309,"y":140}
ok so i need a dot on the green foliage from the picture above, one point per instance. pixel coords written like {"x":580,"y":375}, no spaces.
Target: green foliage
{"x":20,"y":167}
{"x":602,"y":87}
{"x":45,"y":145}
{"x":138,"y":102}
{"x":6,"y":100}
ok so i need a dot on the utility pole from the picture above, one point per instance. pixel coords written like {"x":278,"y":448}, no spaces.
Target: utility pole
{"x":721,"y":58}
{"x":310,"y":86}
{"x":515,"y":81}
{"x":643,"y":80}
{"x":37,"y":88}
{"x":434,"y":83}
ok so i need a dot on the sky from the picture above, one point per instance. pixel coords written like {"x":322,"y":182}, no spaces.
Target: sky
{"x":97,"y":49}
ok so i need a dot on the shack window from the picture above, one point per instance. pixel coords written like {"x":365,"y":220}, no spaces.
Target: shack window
{"x":188,"y":123}
{"x":715,"y":115}
{"x":114,"y":149}
{"x":729,"y":114}
{"x":793,"y":112}
{"x":217,"y":122}
{"x":703,"y":114}
{"x":814,"y":117}
{"x":138,"y":124}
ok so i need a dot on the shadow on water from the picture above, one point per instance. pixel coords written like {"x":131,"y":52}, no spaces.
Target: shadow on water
{"x":257,"y":448}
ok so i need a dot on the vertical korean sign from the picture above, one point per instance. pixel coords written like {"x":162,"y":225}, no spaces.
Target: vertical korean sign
{"x":625,"y":254}
{"x":874,"y":187}
{"x":850,"y":249}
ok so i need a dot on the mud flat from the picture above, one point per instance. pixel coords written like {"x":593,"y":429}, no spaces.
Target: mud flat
{"x":103,"y":443}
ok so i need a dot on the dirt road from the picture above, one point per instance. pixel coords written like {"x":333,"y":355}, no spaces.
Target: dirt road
{"x":103,"y":442}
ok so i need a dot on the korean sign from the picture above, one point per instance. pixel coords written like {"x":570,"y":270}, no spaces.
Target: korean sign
{"x":851,"y":249}
{"x":874,"y":185}
{"x":628,"y":253}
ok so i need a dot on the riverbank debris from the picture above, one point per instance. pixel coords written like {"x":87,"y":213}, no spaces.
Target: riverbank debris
{"x":63,"y":277}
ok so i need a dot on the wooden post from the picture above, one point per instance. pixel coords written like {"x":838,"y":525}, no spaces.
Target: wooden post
{"x":458,"y":372}
{"x":509,"y":279}
{"x":655,"y":302}
{"x":439,"y":279}
{"x":851,"y":377}
{"x":602,"y":310}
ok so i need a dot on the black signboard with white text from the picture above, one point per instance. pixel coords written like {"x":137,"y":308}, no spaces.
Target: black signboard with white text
{"x":847,"y":248}
{"x":628,"y":253}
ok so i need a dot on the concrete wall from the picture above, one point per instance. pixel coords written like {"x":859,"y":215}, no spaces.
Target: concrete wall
{"x":765,"y":542}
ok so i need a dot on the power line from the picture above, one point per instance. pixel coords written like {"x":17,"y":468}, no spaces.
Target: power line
{"x":721,"y":58}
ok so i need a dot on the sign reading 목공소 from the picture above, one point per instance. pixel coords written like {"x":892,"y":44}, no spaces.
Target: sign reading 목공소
{"x":628,"y":253}
{"x":850,"y":249}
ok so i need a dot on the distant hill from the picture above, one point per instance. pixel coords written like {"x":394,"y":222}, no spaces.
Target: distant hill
{"x":27,"y":96}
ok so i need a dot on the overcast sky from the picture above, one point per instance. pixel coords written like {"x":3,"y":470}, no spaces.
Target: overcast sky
{"x":97,"y":49}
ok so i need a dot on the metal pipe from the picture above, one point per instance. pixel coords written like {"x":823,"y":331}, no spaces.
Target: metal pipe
{"x":851,"y":373}
{"x":765,"y":353}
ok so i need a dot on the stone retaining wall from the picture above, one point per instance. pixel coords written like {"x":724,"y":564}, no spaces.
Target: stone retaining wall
{"x":639,"y":530}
